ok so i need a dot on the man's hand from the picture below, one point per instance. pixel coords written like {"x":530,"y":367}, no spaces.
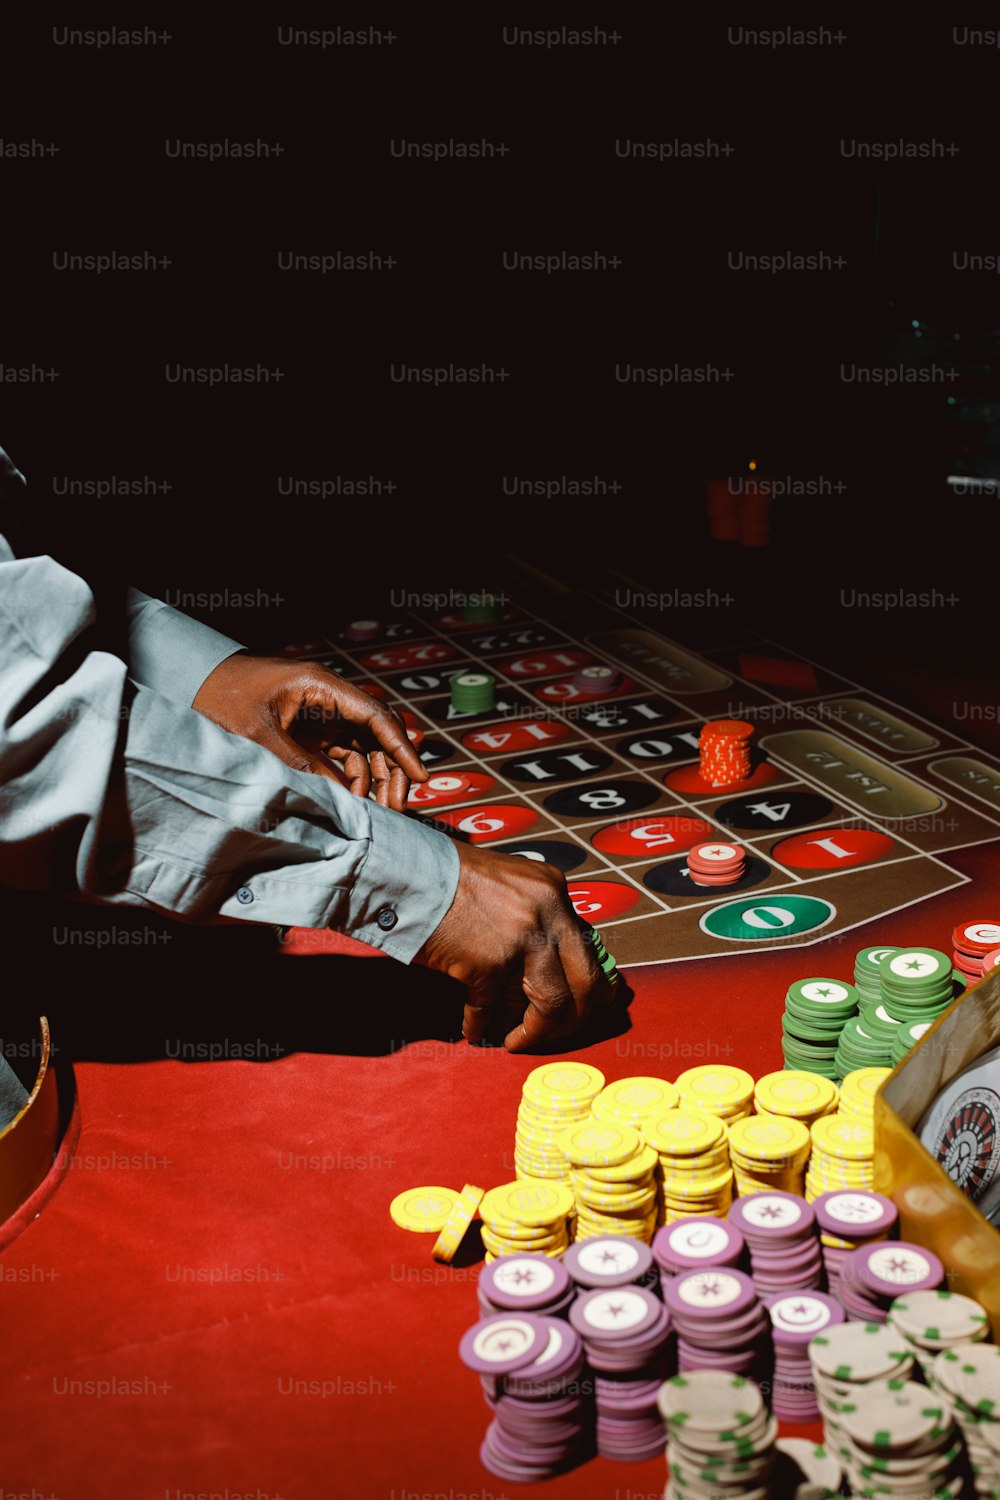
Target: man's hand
{"x":512,"y":935}
{"x":260,"y":698}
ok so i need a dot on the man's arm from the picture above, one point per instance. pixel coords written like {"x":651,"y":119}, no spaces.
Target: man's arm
{"x":114,"y":793}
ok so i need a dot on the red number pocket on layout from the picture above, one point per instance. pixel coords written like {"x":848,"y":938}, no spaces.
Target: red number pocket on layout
{"x":450,"y":786}
{"x":651,"y":837}
{"x":543,"y":663}
{"x":563,"y":691}
{"x":494,"y":820}
{"x":600,"y":900}
{"x":408,"y":656}
{"x":833,"y":849}
{"x":524,"y":734}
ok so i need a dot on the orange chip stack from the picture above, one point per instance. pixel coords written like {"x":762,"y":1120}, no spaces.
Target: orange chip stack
{"x":724,"y":751}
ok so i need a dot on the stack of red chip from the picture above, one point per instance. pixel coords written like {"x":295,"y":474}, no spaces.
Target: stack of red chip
{"x":724,"y":751}
{"x":717,"y":864}
{"x":976,"y":947}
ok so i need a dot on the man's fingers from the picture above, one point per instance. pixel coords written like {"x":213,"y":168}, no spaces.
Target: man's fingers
{"x":551,"y":1008}
{"x":479,"y":1007}
{"x":588,"y":981}
{"x":389,"y":732}
{"x":285,"y":748}
{"x":356,"y":768}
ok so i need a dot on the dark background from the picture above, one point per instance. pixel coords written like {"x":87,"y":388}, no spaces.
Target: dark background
{"x":893,"y":524}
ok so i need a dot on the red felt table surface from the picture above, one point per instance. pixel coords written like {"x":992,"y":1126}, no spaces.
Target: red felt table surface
{"x":214,"y":1296}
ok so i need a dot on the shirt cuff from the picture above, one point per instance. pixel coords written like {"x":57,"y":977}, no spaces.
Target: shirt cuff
{"x":171,"y":653}
{"x":405,"y":886}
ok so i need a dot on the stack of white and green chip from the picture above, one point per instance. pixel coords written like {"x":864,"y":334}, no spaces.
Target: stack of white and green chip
{"x":968,"y":1380}
{"x":816,"y":1012}
{"x":901,"y":1440}
{"x":935,"y":1320}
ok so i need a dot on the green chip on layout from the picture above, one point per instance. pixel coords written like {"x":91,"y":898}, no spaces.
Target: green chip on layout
{"x":750,"y":921}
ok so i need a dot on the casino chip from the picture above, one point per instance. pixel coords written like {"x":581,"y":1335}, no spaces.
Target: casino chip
{"x":817,"y":1011}
{"x":719,"y":1321}
{"x":553,"y":1096}
{"x":539,"y":1426}
{"x":717,"y":863}
{"x":858,"y":1090}
{"x":796,"y":1318}
{"x":423,"y":1210}
{"x":724,"y":751}
{"x":848,"y":1220}
{"x":596,"y":679}
{"x":843,"y":1154}
{"x":529,"y":1214}
{"x":968,"y":1379}
{"x":695,"y":1242}
{"x":796,"y":1093}
{"x":623,"y":1203}
{"x":721,"y":1437}
{"x":848,"y":1359}
{"x":780,"y":1232}
{"x":611,"y":1261}
{"x":932,"y":1321}
{"x":769,"y":1151}
{"x":872,"y":1277}
{"x":631,"y":1101}
{"x":904,"y":1441}
{"x":717,"y":1089}
{"x":974,"y":942}
{"x":625,"y":1332}
{"x":461,"y":1215}
{"x":695,"y":1168}
{"x":526,"y":1282}
{"x":805,"y":1471}
{"x":473,"y":692}
{"x":866,"y":972}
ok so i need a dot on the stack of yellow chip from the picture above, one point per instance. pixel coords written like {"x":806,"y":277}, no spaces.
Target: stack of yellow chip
{"x":798,"y":1094}
{"x":554,"y":1096}
{"x":768,"y":1151}
{"x":526,"y":1215}
{"x":462,"y":1213}
{"x":843,"y":1150}
{"x":613,"y":1181}
{"x":631,"y":1101}
{"x":858,"y":1090}
{"x":695,"y":1173}
{"x":718,"y":1090}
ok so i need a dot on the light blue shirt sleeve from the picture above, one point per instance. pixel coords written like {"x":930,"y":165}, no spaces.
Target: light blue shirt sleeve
{"x":169,"y":652}
{"x":112,"y":792}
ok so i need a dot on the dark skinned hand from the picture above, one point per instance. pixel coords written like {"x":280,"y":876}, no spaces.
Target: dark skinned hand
{"x":512,"y":935}
{"x":340,"y":732}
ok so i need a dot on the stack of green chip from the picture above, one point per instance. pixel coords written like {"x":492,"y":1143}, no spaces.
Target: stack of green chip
{"x":473,"y":693}
{"x":917,"y":984}
{"x":602,"y":955}
{"x":866,"y":972}
{"x":872,"y":1038}
{"x":907,"y":1037}
{"x":482,"y":609}
{"x":859,"y":1049}
{"x":816,"y":1011}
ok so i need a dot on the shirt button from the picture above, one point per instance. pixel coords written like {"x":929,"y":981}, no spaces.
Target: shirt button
{"x":387,"y":919}
{"x":244,"y":895}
